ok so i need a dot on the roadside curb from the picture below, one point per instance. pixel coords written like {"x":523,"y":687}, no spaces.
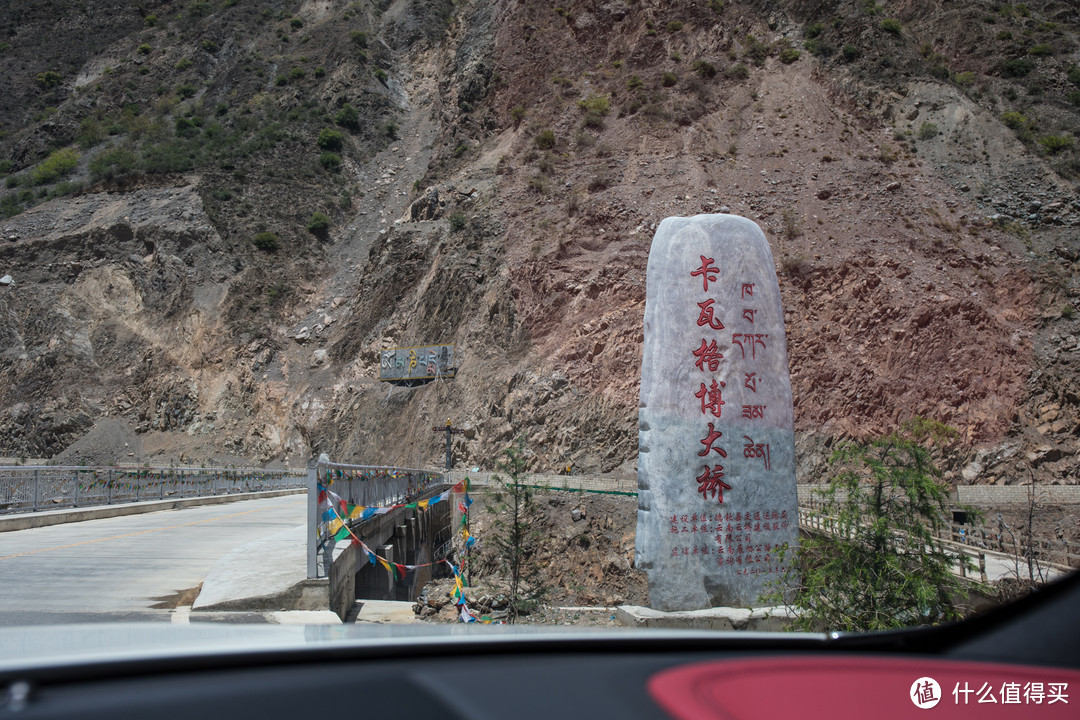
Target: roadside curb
{"x":26,"y":521}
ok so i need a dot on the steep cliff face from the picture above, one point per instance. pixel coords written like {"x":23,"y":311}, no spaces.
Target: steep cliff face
{"x":490,"y":174}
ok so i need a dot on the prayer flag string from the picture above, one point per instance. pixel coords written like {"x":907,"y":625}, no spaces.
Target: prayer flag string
{"x":338,"y":512}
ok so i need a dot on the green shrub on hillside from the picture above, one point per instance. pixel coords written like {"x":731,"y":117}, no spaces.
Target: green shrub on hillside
{"x":964,"y":79}
{"x":599,"y":104}
{"x":738,"y":72}
{"x":144,"y":49}
{"x":704,"y":69}
{"x":169,"y":157}
{"x":755,"y":50}
{"x":347,"y":116}
{"x":789,"y":55}
{"x":891,"y":25}
{"x":545,"y":140}
{"x":818,"y":47}
{"x":58,"y":164}
{"x":1041,"y":50}
{"x":668,"y":79}
{"x":595,"y":107}
{"x":1014,"y":120}
{"x":188,"y":127}
{"x":48,"y":79}
{"x":267,"y":242}
{"x":91,"y":132}
{"x":330,"y":139}
{"x":1020,"y":67}
{"x":331,"y":162}
{"x":1019,"y":123}
{"x":319,"y":224}
{"x":927,"y":130}
{"x":10,"y":206}
{"x":1053,"y":144}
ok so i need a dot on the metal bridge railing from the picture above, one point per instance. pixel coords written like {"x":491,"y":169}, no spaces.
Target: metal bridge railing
{"x":369,"y":486}
{"x":46,"y":487}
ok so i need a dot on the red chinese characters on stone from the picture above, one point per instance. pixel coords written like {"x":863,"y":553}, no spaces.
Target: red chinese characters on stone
{"x":711,"y":482}
{"x":747,"y":289}
{"x":706,"y":317}
{"x":750,"y":383}
{"x":710,"y":397}
{"x":708,"y":441}
{"x":748,"y":315}
{"x":708,"y":354}
{"x":707,"y":272}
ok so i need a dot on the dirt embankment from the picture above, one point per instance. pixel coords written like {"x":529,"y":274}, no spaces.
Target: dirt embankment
{"x":585,"y":559}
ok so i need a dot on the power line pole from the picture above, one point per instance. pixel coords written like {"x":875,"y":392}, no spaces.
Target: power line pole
{"x":449,"y":431}
{"x":449,"y":463}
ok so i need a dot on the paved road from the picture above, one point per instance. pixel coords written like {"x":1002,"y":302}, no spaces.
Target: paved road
{"x":118,"y":568}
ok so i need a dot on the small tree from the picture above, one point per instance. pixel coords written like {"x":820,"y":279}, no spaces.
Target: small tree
{"x":881,"y":566}
{"x":330,"y":139}
{"x":348,"y":116}
{"x":319,"y":225}
{"x":267,"y":241}
{"x":514,"y":535}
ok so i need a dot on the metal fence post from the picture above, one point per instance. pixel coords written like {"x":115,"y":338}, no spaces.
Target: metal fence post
{"x":108,"y":489}
{"x":37,"y":489}
{"x":75,"y":490}
{"x":313,"y":514}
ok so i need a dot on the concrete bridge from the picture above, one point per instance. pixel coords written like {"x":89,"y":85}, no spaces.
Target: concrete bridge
{"x":401,"y":516}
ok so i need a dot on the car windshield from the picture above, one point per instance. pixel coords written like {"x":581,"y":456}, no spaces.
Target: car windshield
{"x":734,"y":316}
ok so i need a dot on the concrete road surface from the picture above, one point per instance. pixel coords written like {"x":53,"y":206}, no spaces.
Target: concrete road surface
{"x":118,"y":568}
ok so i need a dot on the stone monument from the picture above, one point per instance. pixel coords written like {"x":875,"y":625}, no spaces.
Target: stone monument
{"x":716,"y":444}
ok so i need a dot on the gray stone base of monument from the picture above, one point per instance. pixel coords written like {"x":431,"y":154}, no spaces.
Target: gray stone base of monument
{"x":717,"y":503}
{"x":763,"y":619}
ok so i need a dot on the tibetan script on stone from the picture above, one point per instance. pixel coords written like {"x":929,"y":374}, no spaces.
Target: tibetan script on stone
{"x":716,"y":446}
{"x":411,"y":363}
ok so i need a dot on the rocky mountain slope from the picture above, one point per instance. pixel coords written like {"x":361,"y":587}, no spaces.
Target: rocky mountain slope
{"x":219,"y":212}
